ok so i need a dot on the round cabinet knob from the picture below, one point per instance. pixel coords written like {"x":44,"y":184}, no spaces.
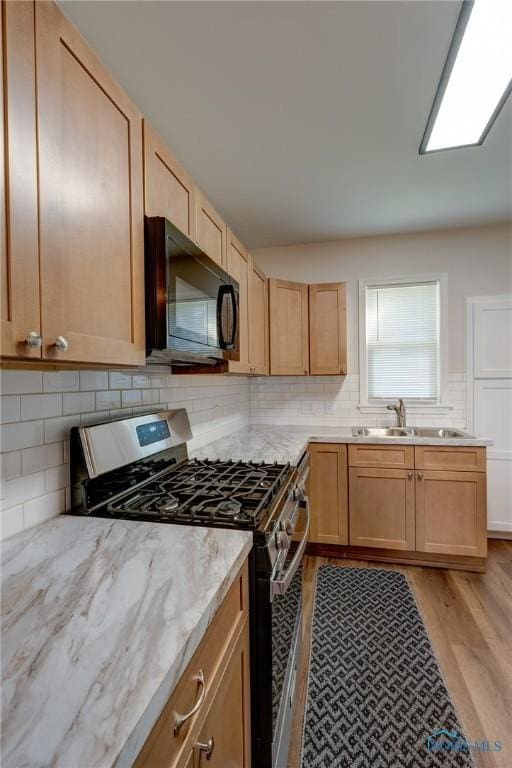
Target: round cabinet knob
{"x":62,"y":344}
{"x":282,"y":540}
{"x":207,"y":748}
{"x":33,"y":340}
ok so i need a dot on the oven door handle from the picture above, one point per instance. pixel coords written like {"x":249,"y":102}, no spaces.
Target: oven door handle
{"x":280,"y":585}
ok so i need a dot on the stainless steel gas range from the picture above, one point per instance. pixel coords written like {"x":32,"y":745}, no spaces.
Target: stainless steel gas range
{"x":138,"y":469}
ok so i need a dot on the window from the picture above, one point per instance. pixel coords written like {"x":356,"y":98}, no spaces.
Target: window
{"x":401,"y":341}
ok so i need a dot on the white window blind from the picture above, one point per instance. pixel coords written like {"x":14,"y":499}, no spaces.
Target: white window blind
{"x":402,"y":341}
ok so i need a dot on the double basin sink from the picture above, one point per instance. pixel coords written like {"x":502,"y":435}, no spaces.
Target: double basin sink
{"x":446,"y":434}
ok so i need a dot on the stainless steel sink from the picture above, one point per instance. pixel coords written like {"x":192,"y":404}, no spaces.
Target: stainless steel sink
{"x":379,"y":432}
{"x":438,"y":433}
{"x":435,"y":432}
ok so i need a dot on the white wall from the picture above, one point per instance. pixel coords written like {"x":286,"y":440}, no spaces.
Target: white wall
{"x":38,"y":409}
{"x":478,"y":261}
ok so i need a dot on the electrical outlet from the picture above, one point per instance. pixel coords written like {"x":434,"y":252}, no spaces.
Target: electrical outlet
{"x":328,"y":407}
{"x":306,"y":408}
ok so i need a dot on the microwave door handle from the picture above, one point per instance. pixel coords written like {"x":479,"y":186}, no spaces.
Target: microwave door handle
{"x":279,"y":586}
{"x":226,"y":290}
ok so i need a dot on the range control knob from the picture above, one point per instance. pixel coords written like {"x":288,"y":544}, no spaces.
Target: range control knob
{"x":282,"y":540}
{"x":287,"y":525}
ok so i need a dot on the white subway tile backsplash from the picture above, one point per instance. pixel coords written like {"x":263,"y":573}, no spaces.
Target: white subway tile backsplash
{"x":20,"y":382}
{"x":131,"y":397}
{"x":43,"y":508}
{"x":40,"y":406}
{"x":78,"y":402}
{"x":10,"y":465}
{"x":21,"y":435}
{"x":58,"y":429}
{"x":11,"y":521}
{"x":57,"y":477}
{"x":92,"y":380}
{"x":23,"y":489}
{"x":120,"y":380}
{"x":107,"y":400}
{"x":41,"y":457}
{"x":61,"y":381}
{"x":10,"y":408}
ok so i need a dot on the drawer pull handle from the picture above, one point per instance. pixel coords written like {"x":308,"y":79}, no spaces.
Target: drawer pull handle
{"x":207,"y":748}
{"x":179,"y":720}
{"x":420,"y":475}
{"x":410,"y":475}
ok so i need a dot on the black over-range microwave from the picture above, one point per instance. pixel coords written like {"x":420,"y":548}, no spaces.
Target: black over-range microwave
{"x":191,"y":302}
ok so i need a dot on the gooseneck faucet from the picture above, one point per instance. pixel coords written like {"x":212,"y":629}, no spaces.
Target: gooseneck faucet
{"x":400,"y":412}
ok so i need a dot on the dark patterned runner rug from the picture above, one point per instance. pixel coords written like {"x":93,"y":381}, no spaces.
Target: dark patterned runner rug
{"x":376,"y":698}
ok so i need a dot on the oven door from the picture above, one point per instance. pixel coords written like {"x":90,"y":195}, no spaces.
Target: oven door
{"x":286,"y":586}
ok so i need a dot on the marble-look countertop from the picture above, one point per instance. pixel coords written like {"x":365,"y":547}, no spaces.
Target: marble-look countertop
{"x":288,"y":443}
{"x":99,"y":621}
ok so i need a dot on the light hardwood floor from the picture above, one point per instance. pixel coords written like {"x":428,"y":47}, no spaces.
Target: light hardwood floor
{"x":469,"y":619}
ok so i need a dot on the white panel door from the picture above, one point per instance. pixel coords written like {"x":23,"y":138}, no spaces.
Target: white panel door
{"x":493,"y":338}
{"x":493,"y":419}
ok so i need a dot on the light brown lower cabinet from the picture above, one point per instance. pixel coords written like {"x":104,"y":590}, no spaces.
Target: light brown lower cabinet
{"x":328,"y":493}
{"x":395,"y":503}
{"x":451,"y":513}
{"x":382,"y":508}
{"x":207,"y":721}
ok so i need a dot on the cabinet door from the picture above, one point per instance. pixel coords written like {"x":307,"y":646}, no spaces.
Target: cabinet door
{"x":211,"y":230}
{"x":19,"y":258}
{"x":288,"y":318}
{"x":238,"y":268}
{"x":328,"y":493}
{"x":451,"y":516}
{"x":168,"y":189}
{"x":381,"y":504}
{"x":227,"y":726}
{"x":91,"y":202}
{"x":327,"y":329}
{"x":258,"y":321}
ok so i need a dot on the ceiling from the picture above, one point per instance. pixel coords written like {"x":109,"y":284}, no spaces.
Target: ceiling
{"x":302,"y":120}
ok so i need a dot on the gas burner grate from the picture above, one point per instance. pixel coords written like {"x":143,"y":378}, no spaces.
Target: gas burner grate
{"x":228,"y":493}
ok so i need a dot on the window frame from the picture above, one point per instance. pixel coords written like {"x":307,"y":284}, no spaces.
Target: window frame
{"x":379,"y":404}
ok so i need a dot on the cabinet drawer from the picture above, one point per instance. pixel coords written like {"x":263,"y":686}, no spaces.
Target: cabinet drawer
{"x":453,"y":458}
{"x":389,"y":456}
{"x":164,"y":747}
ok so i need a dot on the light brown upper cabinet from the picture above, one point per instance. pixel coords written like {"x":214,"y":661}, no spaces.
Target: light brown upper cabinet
{"x":327,"y":329}
{"x":289,"y":338}
{"x":238,"y":267}
{"x":258,"y":321}
{"x":168,"y":189}
{"x":19,"y":260}
{"x":90,"y":202}
{"x":328,"y":493}
{"x":308,"y":328}
{"x":211,"y":230}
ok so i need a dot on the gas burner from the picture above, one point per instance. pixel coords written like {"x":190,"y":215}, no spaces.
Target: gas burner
{"x":229,"y":508}
{"x":169,"y":503}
